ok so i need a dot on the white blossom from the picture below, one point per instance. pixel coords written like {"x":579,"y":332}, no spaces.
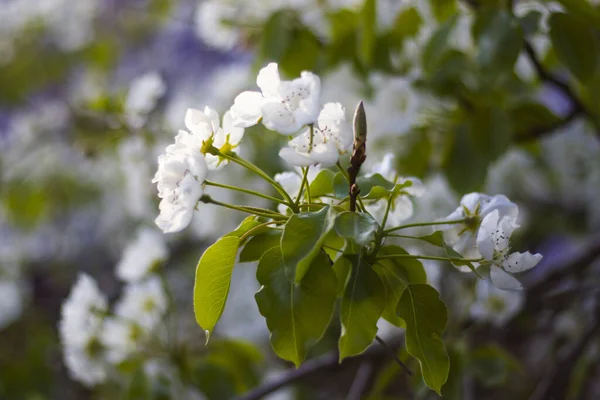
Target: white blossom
{"x":205,"y":126}
{"x":495,"y":305}
{"x":143,"y":303}
{"x":493,"y":241}
{"x":330,"y":138}
{"x":284,"y":106}
{"x":211,"y":25}
{"x":181,"y":172}
{"x":82,"y":312}
{"x":82,"y":315}
{"x":144,"y":93}
{"x":474,"y":206}
{"x":120,"y":338}
{"x":142,"y":255}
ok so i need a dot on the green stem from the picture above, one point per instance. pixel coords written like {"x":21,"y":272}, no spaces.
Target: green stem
{"x":451,"y":259}
{"x":261,"y":212}
{"x":342,"y":170}
{"x":247,"y":191}
{"x":251,"y":167}
{"x":245,"y":235}
{"x":302,"y":183}
{"x":456,"y":221}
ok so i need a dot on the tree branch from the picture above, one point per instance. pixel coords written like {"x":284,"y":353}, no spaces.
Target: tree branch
{"x":360,"y":381}
{"x":329,"y":361}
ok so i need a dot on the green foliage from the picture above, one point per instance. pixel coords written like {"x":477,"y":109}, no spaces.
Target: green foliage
{"x":363,"y":302}
{"x":213,"y":276}
{"x":297,"y":314}
{"x":302,"y":238}
{"x":396,"y":274}
{"x":425,"y":316}
{"x":258,"y":245}
{"x":322,"y":184}
{"x":576,"y":45}
{"x":359,"y":228}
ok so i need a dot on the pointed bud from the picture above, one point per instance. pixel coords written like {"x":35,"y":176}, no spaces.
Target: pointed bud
{"x":360,"y":126}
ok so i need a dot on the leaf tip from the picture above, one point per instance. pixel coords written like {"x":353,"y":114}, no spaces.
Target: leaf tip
{"x":207,"y":333}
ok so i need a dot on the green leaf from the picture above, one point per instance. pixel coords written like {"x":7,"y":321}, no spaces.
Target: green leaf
{"x":490,"y":131}
{"x":367,"y":34}
{"x":437,"y":239}
{"x":278,"y":35}
{"x":583,"y":10}
{"x":436,"y":46}
{"x":443,"y":9}
{"x":213,"y":276}
{"x":414,"y":153}
{"x":466,"y":168}
{"x":302,"y":238}
{"x":500,"y":40}
{"x":258,"y":245}
{"x":492,"y":365}
{"x":530,"y":22}
{"x":426,"y":316}
{"x":407,"y":24}
{"x":340,"y":186}
{"x":358,"y":227}
{"x":575,"y":45}
{"x":528,"y":117}
{"x":297,"y":314}
{"x":247,"y":224}
{"x":396,"y":274}
{"x":363,"y":303}
{"x":322,"y":184}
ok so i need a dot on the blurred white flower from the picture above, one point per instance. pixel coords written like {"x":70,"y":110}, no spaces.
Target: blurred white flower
{"x":142,"y":255}
{"x":495,"y":305}
{"x":143,"y":303}
{"x":11,"y":302}
{"x":214,"y":24}
{"x":82,"y":312}
{"x":462,"y":236}
{"x":284,"y":106}
{"x":136,"y":171}
{"x":120,"y":338}
{"x":493,"y":241}
{"x":181,"y":172}
{"x":82,"y":315}
{"x":86,"y":364}
{"x":144,"y":93}
{"x":330,"y":138}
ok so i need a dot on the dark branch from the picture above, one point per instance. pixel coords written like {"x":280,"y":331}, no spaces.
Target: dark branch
{"x":365,"y":370}
{"x":359,"y":153}
{"x":393,"y":353}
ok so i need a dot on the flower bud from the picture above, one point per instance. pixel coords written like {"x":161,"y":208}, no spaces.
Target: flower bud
{"x":360,"y":125}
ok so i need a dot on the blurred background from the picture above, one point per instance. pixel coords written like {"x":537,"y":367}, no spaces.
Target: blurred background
{"x":496,"y":96}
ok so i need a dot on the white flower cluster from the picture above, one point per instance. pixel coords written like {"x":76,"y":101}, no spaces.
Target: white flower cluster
{"x":284,"y":106}
{"x":144,"y":93}
{"x":489,"y":221}
{"x":96,"y":339}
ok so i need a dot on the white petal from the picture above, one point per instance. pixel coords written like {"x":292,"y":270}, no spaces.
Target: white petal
{"x":235,"y":133}
{"x":471,"y":200}
{"x":246,"y":109}
{"x":385,"y":168}
{"x":198,"y":122}
{"x":403,"y":209}
{"x":311,"y":105}
{"x":486,"y":235}
{"x":519,"y":262}
{"x":503,"y":280}
{"x":416,"y":189}
{"x":268,"y":80}
{"x":213,"y":116}
{"x":502,"y":204}
{"x":292,"y":157}
{"x":277,"y":117}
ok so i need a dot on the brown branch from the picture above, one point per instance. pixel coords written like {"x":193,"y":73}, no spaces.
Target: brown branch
{"x":363,"y":375}
{"x":315,"y":366}
{"x":555,"y":384}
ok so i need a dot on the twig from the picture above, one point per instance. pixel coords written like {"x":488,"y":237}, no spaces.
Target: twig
{"x":393,"y":354}
{"x":329,"y":361}
{"x":555,"y":384}
{"x":361,"y":380}
{"x":359,"y":153}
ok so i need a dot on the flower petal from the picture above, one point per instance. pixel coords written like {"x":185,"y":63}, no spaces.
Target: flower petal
{"x":503,"y":280}
{"x":268,"y":80}
{"x":519,"y":262}
{"x":486,"y":235}
{"x":246,"y":109}
{"x":277,"y":117}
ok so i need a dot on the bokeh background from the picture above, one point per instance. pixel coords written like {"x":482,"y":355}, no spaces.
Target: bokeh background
{"x":496,"y":96}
